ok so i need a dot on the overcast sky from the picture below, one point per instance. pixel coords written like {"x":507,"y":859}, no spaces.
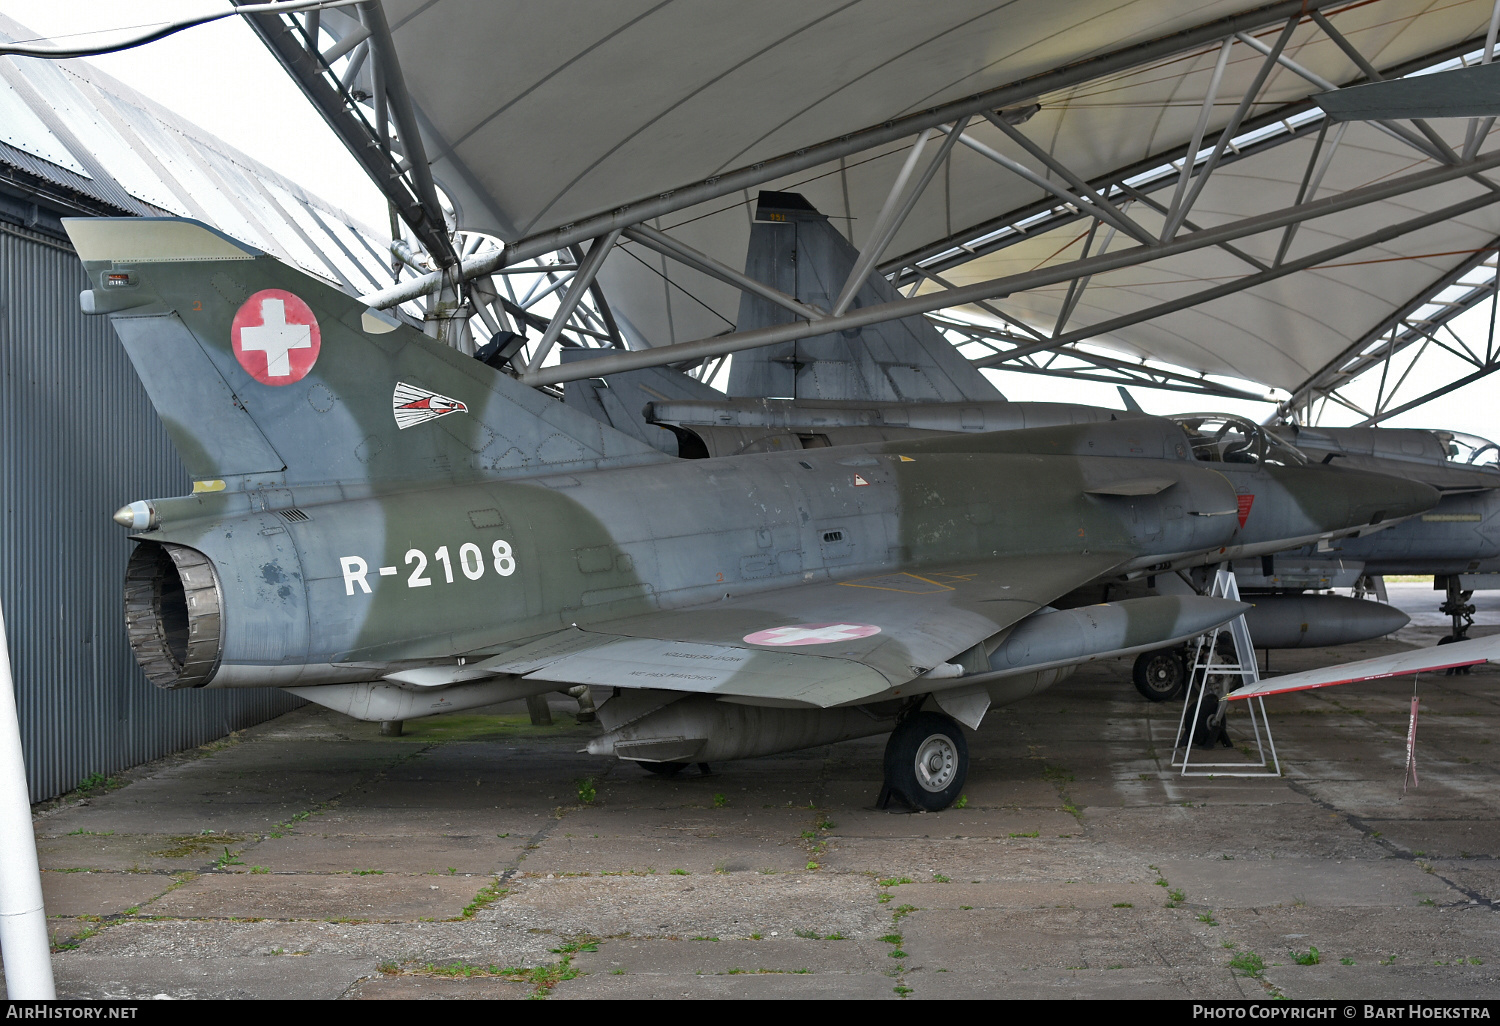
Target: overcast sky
{"x":222,"y":78}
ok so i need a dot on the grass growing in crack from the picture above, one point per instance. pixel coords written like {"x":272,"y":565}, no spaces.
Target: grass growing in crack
{"x":1208,"y":917}
{"x":901,"y":990}
{"x":962,"y":803}
{"x":259,"y":870}
{"x":1175,"y":897}
{"x":893,"y":881}
{"x":195,"y":844}
{"x":721,"y":801}
{"x":1248,"y":963}
{"x":542,"y":978}
{"x":587,"y":792}
{"x":228,"y":859}
{"x":488,"y":895}
{"x":1122,"y":904}
{"x":1034,"y":833}
{"x":940,"y":878}
{"x":1309,"y":957}
{"x":71,"y":944}
{"x":902,"y":911}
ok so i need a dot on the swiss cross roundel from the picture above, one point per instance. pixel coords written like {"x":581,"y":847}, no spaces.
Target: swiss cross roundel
{"x":811,"y":634}
{"x":275,"y":337}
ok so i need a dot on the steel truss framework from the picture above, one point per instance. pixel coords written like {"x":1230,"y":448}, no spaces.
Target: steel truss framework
{"x":345,"y":61}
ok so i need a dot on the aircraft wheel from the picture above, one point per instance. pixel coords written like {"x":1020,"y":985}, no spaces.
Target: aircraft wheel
{"x":663,"y":769}
{"x":926,"y":761}
{"x":1160,"y":676}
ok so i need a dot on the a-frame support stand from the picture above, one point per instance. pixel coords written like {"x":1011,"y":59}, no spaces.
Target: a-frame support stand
{"x":1204,"y":683}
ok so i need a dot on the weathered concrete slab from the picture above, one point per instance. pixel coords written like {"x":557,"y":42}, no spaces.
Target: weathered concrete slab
{"x":469,"y":941}
{"x":1073,"y":814}
{"x":1328,"y":883}
{"x":1096,"y":984}
{"x":288,"y":896}
{"x":746,"y":986}
{"x":99,"y":894}
{"x":1029,"y":894}
{"x":594,"y":840}
{"x":436,"y":988}
{"x":700,"y":905}
{"x":82,"y":976}
{"x":710,"y":957}
{"x":307,"y":852}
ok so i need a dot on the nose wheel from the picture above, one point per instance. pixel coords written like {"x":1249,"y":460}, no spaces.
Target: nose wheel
{"x":1161,"y":676}
{"x":926,"y":763}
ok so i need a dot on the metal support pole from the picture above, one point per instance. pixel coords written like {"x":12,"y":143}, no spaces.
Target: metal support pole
{"x":1191,"y":156}
{"x":1087,"y":191}
{"x":23,"y":921}
{"x":889,"y":219}
{"x":737,"y":341}
{"x":1393,"y":130}
{"x":1105,"y":213}
{"x":667,"y":246}
{"x":1370,"y":72}
{"x":1180,"y":213}
{"x":587,"y":269}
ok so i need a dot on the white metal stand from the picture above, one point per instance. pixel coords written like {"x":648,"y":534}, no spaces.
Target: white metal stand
{"x":24,"y":944}
{"x":1243,"y":668}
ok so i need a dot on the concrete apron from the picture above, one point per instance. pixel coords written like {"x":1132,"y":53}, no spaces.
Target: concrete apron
{"x":312,"y":857}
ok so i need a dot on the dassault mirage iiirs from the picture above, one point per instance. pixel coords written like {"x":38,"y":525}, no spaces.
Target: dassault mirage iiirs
{"x":393,"y":529}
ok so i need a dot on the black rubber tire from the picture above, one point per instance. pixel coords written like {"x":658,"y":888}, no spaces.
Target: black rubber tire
{"x":663,"y":769}
{"x":1161,"y":676}
{"x":943,"y":741}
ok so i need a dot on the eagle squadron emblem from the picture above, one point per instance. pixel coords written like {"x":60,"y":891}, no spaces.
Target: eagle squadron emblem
{"x":413,"y":405}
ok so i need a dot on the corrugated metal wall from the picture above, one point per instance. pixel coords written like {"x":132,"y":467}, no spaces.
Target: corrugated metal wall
{"x":78,"y":439}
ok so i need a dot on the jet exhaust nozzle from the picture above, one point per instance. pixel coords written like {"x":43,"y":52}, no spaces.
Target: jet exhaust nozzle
{"x":172,"y":614}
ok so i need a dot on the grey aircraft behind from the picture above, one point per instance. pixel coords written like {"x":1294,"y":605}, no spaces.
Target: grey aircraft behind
{"x":393,"y":529}
{"x":901,"y":380}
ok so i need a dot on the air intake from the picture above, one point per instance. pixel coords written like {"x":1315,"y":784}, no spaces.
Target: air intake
{"x":172,"y":614}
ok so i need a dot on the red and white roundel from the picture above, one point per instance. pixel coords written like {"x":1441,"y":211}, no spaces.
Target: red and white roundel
{"x":811,"y":634}
{"x":275,"y":337}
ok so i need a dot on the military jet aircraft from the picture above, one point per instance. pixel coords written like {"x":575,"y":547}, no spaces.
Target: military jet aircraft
{"x":388,"y":527}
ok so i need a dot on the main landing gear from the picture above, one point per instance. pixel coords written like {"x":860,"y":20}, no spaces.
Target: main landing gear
{"x":926,"y":763}
{"x":671,"y":769}
{"x":1161,"y":676}
{"x":1457,"y":606}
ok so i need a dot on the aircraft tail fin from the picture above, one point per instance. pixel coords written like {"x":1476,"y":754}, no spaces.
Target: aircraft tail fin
{"x":267,"y":377}
{"x":793,"y":248}
{"x":620,"y":400}
{"x":1129,"y":400}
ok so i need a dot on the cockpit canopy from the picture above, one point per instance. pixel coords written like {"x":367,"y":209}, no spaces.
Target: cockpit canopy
{"x":1470,"y":450}
{"x":1225,"y":438}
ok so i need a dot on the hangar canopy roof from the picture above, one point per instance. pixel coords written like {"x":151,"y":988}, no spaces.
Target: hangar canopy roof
{"x":68,"y":129}
{"x":543,"y":123}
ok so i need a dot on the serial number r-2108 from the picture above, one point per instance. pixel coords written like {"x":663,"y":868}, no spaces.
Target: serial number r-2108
{"x":471,"y":563}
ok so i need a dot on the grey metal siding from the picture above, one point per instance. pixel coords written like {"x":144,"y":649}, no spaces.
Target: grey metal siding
{"x":78,"y":439}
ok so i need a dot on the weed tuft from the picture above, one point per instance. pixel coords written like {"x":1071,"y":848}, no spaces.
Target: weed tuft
{"x":1248,"y":963}
{"x":1309,"y":957}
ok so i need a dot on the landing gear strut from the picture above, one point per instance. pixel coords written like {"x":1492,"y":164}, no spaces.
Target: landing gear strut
{"x":926,"y":763}
{"x":1161,"y":676}
{"x":1457,"y":606}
